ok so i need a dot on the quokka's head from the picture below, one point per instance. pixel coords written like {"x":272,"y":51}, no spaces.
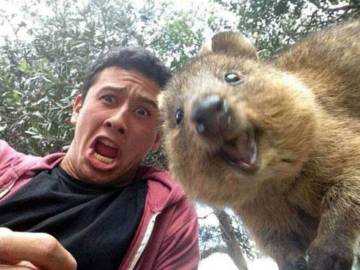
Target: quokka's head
{"x":231,"y":122}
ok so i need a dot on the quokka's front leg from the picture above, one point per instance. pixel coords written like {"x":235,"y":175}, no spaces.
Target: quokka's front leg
{"x":339,"y":229}
{"x":271,"y":229}
{"x":286,"y":250}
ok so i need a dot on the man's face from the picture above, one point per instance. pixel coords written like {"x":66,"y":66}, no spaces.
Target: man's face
{"x":115,"y":126}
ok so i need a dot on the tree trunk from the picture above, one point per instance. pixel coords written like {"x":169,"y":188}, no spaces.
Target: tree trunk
{"x":229,"y":237}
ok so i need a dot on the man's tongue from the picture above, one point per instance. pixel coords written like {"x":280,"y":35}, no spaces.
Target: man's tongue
{"x":105,"y":150}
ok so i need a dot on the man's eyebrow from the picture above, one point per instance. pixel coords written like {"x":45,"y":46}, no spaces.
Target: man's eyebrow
{"x":114,"y":88}
{"x":148,"y":101}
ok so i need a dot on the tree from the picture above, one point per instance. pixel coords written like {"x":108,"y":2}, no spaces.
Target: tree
{"x":274,"y":25}
{"x":226,"y":235}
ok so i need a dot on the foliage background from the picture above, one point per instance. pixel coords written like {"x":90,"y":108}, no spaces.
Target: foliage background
{"x":45,"y":47}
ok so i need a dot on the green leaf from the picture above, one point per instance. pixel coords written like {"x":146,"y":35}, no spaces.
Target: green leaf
{"x":24,"y":67}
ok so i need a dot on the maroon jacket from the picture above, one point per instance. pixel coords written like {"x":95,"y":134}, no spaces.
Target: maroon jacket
{"x":167,"y":236}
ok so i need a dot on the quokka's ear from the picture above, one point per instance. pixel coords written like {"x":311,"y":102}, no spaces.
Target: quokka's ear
{"x":206,"y":47}
{"x":233,"y":43}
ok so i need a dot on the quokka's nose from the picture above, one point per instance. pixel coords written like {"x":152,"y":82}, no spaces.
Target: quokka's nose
{"x":210,"y":116}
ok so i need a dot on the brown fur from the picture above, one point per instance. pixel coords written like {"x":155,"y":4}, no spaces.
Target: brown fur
{"x":304,"y":108}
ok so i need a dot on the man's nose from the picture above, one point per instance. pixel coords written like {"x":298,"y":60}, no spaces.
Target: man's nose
{"x":118,"y":121}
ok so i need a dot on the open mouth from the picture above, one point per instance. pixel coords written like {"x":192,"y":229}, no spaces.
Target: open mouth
{"x":105,"y":150}
{"x":241,"y":152}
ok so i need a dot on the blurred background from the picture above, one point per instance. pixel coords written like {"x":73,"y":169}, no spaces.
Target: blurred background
{"x":45,"y":47}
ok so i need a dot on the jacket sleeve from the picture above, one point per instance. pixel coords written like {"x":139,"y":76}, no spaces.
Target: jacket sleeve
{"x":15,"y":169}
{"x":7,"y":155}
{"x":180,"y":248}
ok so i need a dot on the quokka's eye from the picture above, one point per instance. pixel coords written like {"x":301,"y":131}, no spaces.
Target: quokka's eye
{"x":232,"y":78}
{"x":179,"y":116}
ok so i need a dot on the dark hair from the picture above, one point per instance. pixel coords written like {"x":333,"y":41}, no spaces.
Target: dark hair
{"x":130,"y":58}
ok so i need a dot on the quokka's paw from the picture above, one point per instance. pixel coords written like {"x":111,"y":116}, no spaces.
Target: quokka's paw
{"x":299,"y":264}
{"x":330,"y":257}
{"x":294,"y":263}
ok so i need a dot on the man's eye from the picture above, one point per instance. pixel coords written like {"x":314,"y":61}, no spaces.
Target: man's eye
{"x":142,"y":112}
{"x":108,"y":99}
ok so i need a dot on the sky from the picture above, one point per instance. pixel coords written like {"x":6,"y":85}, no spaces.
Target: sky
{"x":218,"y":261}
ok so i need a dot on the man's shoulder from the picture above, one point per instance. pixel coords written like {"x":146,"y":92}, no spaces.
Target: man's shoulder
{"x":9,"y":157}
{"x":158,"y":175}
{"x":161,"y":178}
{"x":163,"y":189}
{"x":168,"y":197}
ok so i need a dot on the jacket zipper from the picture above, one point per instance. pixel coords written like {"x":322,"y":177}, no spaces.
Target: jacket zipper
{"x":144,"y":241}
{"x":6,"y":189}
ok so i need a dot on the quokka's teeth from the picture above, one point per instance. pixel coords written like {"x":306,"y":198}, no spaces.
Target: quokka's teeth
{"x":103,"y":159}
{"x":107,"y":142}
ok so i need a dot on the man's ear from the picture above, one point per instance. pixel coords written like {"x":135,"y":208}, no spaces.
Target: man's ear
{"x":157,"y":141}
{"x":76,"y":109}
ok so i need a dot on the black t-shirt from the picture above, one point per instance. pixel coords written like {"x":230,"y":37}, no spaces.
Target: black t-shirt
{"x":95,"y":223}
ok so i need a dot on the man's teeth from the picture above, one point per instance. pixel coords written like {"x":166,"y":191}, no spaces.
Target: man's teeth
{"x":107,"y":142}
{"x":103,"y":159}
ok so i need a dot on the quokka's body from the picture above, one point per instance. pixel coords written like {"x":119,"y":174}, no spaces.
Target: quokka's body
{"x":278,"y":142}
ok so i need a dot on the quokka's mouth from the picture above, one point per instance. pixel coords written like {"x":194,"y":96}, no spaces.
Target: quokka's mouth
{"x":241,"y":152}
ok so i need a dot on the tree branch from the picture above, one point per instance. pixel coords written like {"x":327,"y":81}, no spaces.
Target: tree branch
{"x":230,"y":239}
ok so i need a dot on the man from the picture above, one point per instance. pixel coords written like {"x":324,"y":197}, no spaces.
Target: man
{"x":95,"y":206}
